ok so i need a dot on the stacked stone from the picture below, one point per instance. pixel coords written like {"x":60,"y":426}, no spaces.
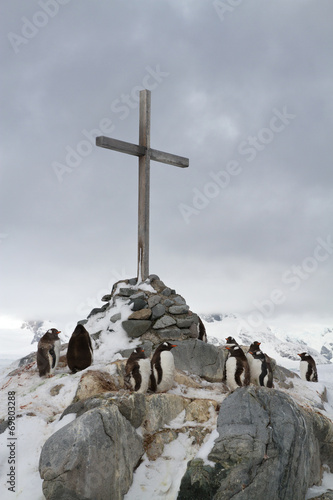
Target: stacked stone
{"x":157,"y":316}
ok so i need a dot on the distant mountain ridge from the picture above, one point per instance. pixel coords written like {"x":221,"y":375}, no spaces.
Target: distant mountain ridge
{"x":287,"y":345}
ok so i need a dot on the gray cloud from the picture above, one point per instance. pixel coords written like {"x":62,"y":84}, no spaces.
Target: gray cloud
{"x":216,"y":87}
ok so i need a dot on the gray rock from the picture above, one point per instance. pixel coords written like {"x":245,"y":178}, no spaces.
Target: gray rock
{"x":138,"y":295}
{"x":170,"y":334}
{"x":164,"y":322}
{"x":183,"y":309}
{"x":115,"y":318}
{"x":267,"y":448}
{"x":3,"y":425}
{"x":161,"y":409}
{"x":153,"y":300}
{"x":166,"y":292}
{"x":179,"y":300}
{"x":97,"y":310}
{"x":168,"y":302}
{"x":185,"y":323}
{"x":78,"y":461}
{"x":153,"y":277}
{"x":138,"y":304}
{"x":126,"y":292}
{"x":202,"y":359}
{"x":157,"y":311}
{"x":136,"y":327}
{"x":27,"y":359}
{"x":106,"y":298}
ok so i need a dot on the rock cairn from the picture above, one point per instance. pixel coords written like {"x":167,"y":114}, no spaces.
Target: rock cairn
{"x":158,"y":314}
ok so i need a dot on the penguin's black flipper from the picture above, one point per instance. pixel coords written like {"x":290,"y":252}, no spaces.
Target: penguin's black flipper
{"x":53,"y":355}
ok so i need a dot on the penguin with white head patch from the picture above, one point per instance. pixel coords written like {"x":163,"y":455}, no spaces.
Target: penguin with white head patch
{"x":48,"y":353}
{"x":137,"y":371}
{"x":308,"y":367}
{"x":79,"y":351}
{"x":162,"y":368}
{"x":231,"y":341}
{"x":237,"y":368}
{"x":261,"y":372}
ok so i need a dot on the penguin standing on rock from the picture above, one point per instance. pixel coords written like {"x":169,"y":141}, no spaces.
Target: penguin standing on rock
{"x":237,"y":368}
{"x":79,"y":351}
{"x":261,"y":372}
{"x":229,"y":342}
{"x":137,"y":371}
{"x":308,"y":367}
{"x":162,"y":368}
{"x":48,"y":353}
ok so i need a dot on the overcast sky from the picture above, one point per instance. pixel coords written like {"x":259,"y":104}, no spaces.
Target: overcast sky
{"x":241,"y":88}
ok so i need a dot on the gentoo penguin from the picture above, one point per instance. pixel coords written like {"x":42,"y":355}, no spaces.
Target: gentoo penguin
{"x":308,"y":367}
{"x":48,"y":352}
{"x":229,"y":341}
{"x":162,"y":368}
{"x":79,"y":351}
{"x":137,"y":371}
{"x":237,"y":368}
{"x":261,"y":372}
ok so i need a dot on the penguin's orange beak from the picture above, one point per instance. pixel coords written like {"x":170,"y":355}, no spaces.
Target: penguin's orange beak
{"x":174,"y":345}
{"x":250,"y":352}
{"x":227,"y":348}
{"x":298,"y":354}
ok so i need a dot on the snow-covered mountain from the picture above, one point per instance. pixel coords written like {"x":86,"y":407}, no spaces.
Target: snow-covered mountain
{"x":279,"y":343}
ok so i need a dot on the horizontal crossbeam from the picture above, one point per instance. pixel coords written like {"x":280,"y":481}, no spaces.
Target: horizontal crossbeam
{"x":136,"y":150}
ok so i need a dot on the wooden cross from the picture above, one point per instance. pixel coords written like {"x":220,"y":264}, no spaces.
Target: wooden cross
{"x":145,"y":154}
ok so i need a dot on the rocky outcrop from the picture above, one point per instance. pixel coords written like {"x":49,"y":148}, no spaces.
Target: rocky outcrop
{"x":268,"y":447}
{"x":93,"y":457}
{"x":204,"y":360}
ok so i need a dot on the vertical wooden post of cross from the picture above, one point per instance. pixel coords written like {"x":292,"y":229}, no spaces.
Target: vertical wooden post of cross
{"x":144,"y":187}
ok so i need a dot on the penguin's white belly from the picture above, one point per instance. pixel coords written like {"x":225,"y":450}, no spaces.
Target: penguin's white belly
{"x":56,"y":348}
{"x":255,"y":369}
{"x":303,"y":369}
{"x":231,"y":366}
{"x":168,"y":372}
{"x":144,"y":365}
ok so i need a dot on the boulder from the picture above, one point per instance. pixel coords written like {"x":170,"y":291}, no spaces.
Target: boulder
{"x":268,"y":447}
{"x":164,"y":322}
{"x":91,"y":458}
{"x":136,"y":327}
{"x":161,"y":409}
{"x":200,"y":358}
{"x":95,"y":382}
